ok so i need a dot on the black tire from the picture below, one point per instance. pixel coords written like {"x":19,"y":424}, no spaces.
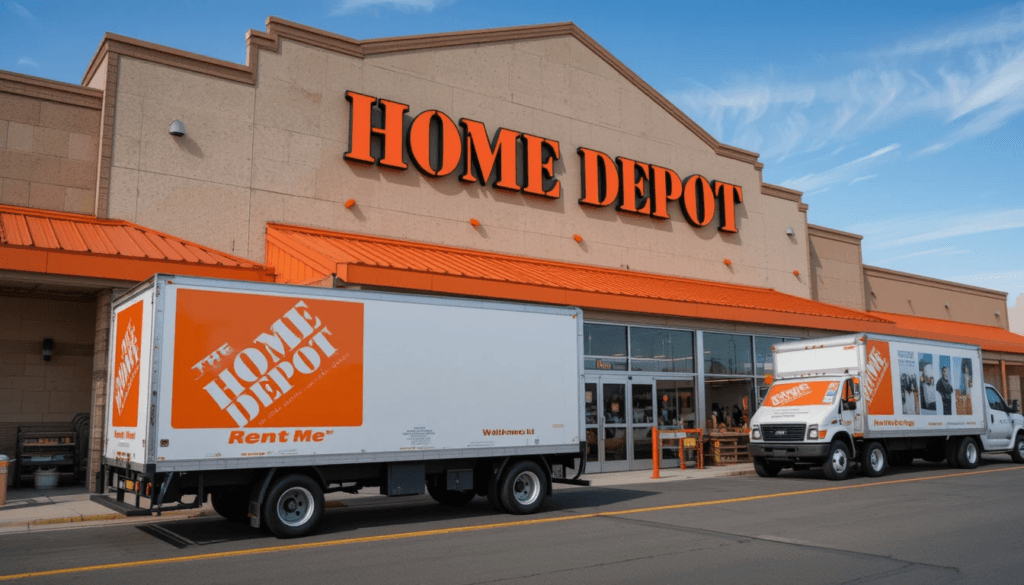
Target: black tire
{"x":446,"y":497}
{"x":1017,"y":454}
{"x":873,"y":460}
{"x":968,"y":453}
{"x":492,"y":492}
{"x":765,"y":469}
{"x":952,"y":447}
{"x":293,"y":506}
{"x":232,"y":504}
{"x":837,"y":464}
{"x":522,"y":488}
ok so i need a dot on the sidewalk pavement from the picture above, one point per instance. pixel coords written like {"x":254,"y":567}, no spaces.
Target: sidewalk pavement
{"x":34,"y":510}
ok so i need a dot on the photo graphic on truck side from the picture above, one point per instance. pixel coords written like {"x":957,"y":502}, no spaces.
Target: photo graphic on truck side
{"x":245,"y":360}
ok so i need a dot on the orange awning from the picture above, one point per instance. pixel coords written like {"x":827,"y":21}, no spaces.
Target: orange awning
{"x":302,"y":255}
{"x":34,"y":240}
{"x":989,"y":337}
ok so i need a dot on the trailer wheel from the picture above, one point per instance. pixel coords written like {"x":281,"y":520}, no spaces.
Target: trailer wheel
{"x":765,"y":469}
{"x":293,"y":506}
{"x":873,"y":460}
{"x":967,"y":453}
{"x":952,"y":446}
{"x":837,"y":465}
{"x":447,"y":497}
{"x":1018,"y":449}
{"x":522,"y":488}
{"x":232,"y":504}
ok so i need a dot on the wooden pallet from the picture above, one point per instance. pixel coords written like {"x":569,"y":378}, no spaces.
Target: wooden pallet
{"x":728,"y":448}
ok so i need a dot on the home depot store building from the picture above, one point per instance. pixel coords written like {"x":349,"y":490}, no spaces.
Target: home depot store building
{"x":524,"y":164}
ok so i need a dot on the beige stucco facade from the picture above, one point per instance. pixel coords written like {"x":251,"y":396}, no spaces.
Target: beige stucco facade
{"x":273,"y":151}
{"x":909,"y":294}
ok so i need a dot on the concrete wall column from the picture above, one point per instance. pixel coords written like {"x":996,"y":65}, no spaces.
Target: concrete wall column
{"x":101,"y":347}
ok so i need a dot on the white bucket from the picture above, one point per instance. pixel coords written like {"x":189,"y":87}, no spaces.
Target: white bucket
{"x":46,"y":479}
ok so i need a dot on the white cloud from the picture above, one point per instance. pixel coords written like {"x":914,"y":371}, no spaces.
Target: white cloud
{"x":349,"y":6}
{"x":815,"y":182}
{"x":1009,"y":25}
{"x":893,"y":232}
{"x":947,"y":250}
{"x":27,"y":61}
{"x":864,"y":178}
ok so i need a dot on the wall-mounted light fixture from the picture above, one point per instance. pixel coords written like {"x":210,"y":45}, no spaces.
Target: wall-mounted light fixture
{"x":790,"y":232}
{"x":177,"y":128}
{"x":474,"y":222}
{"x":350,"y":203}
{"x":578,"y":238}
{"x":47,"y":349}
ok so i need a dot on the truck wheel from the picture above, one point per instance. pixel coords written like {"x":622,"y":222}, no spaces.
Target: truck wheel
{"x":967,"y":453}
{"x":1018,"y":449}
{"x":765,"y":469}
{"x":293,"y":506}
{"x":522,"y":488}
{"x":231,"y":504}
{"x":837,"y":465}
{"x":873,"y":460}
{"x":447,"y":497}
{"x":952,"y":446}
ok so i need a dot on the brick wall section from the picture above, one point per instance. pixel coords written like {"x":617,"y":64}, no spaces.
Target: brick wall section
{"x":101,"y":344}
{"x":49,"y":144}
{"x":33,"y":390}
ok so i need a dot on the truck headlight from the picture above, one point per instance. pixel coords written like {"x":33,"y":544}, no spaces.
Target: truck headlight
{"x":812,"y":432}
{"x":755,"y":433}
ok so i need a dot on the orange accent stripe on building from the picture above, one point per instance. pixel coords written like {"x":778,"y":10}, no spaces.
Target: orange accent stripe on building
{"x":51,"y":242}
{"x":990,"y":338}
{"x":303,"y":254}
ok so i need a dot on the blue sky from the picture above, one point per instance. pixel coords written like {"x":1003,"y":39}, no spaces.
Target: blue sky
{"x":900,"y":121}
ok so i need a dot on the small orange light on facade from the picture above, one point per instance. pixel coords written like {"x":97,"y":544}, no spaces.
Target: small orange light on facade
{"x":350,"y":203}
{"x":769,"y":379}
{"x":474,"y":222}
{"x":727,"y":262}
{"x":796,"y":273}
{"x":578,"y":238}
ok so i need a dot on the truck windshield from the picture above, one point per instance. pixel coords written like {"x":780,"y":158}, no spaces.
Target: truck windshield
{"x":810,"y":393}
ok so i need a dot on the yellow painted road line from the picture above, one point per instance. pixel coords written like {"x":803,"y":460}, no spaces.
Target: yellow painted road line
{"x":443,"y":531}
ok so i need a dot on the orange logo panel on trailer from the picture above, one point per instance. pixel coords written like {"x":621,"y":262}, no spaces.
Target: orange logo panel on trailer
{"x":801,"y":394}
{"x":245,"y":360}
{"x":128,"y":349}
{"x":878,"y":378}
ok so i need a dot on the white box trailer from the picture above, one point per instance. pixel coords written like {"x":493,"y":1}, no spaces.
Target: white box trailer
{"x":267,"y":396}
{"x":879,"y":400}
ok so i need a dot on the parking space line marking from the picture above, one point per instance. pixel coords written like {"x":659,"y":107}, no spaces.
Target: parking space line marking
{"x":478,"y":527}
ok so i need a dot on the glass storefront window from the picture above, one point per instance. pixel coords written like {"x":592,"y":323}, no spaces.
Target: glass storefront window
{"x":763,"y":353}
{"x":596,"y":363}
{"x":660,"y":350}
{"x":643,"y":403}
{"x":590,"y":391}
{"x":725,"y":353}
{"x":676,"y":406}
{"x":604,"y":340}
{"x":727,"y":401}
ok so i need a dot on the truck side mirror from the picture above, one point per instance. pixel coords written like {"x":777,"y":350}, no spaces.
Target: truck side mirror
{"x":850,"y":404}
{"x":1015,"y":405}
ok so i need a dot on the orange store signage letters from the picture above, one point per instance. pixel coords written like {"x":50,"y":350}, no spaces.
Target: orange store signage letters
{"x":515,"y":161}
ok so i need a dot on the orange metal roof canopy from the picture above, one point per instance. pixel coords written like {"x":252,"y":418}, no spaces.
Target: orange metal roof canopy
{"x":51,"y":242}
{"x":302,"y":255}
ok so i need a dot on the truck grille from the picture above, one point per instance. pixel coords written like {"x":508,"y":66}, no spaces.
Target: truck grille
{"x":783,"y":432}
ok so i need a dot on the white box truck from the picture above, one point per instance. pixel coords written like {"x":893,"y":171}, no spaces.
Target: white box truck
{"x":879,"y":401}
{"x":267,"y":396}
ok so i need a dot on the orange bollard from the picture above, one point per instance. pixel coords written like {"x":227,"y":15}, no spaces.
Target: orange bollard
{"x":682,"y":455}
{"x":657,"y":452}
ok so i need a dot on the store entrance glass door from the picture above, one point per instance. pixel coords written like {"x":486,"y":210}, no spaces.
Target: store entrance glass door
{"x":619,"y":417}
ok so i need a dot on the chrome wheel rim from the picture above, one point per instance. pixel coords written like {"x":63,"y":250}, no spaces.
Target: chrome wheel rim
{"x":877,"y":460}
{"x":839,"y":461}
{"x":972,"y":453}
{"x":295,"y":506}
{"x":526,"y":488}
